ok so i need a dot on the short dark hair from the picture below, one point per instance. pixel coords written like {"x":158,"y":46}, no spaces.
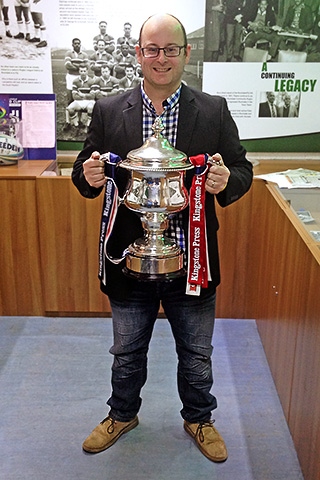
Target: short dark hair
{"x":185,"y":40}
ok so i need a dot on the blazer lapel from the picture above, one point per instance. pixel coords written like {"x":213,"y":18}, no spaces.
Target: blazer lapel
{"x":132,"y":119}
{"x":188,"y":114}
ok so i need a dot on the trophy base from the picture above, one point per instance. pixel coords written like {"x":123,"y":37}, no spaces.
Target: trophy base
{"x":161,"y":277}
{"x":154,"y":268}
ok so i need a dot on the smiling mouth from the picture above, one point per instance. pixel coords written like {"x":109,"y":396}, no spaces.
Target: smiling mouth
{"x":162,"y":70}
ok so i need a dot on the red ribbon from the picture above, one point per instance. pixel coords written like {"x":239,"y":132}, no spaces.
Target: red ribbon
{"x":198,"y":264}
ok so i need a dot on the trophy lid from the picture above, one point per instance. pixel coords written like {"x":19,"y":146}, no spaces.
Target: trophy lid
{"x":156,"y":154}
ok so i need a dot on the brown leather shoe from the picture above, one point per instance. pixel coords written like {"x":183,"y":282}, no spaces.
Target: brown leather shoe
{"x":208,"y":440}
{"x":106,"y":434}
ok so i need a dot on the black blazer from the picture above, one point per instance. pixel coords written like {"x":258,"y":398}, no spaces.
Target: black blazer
{"x":205,"y":126}
{"x":264,"y":110}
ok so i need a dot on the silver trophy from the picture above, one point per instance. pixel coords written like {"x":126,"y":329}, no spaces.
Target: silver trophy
{"x":156,"y":190}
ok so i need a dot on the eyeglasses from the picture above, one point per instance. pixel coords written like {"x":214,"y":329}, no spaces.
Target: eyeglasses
{"x":153,"y":52}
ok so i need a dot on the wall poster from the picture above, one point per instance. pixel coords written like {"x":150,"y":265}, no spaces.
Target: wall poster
{"x":264,"y":59}
{"x":27,"y":127}
{"x":261,"y":55}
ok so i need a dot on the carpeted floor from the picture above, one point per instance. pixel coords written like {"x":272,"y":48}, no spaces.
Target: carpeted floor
{"x":55,"y":380}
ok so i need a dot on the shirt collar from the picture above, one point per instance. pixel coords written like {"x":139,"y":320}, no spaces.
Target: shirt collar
{"x":168,"y":104}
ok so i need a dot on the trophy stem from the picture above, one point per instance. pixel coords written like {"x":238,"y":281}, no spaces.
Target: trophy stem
{"x":154,"y":256}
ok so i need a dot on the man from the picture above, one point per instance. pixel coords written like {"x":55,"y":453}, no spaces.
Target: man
{"x":123,"y":59}
{"x":288,"y":109}
{"x":128,"y":39}
{"x":22,"y":9}
{"x":269,"y":108}
{"x":263,"y":27}
{"x":83,"y":98}
{"x":314,"y":47}
{"x":130,"y":80}
{"x":5,"y":10}
{"x":1,"y":9}
{"x":214,"y":29}
{"x":299,"y":19}
{"x":237,"y":15}
{"x":101,"y":58}
{"x":72,"y":61}
{"x":106,"y":84}
{"x":103,"y":35}
{"x":194,"y":123}
{"x":37,"y":13}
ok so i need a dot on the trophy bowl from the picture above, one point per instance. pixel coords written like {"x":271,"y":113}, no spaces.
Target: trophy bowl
{"x":156,"y":190}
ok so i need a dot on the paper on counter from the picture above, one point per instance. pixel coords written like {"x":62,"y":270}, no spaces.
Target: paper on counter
{"x":297,"y":178}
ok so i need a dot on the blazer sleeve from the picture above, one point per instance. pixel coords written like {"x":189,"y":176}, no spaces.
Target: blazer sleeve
{"x":105,"y":134}
{"x":234,"y":156}
{"x":206,"y":126}
{"x":93,"y":142}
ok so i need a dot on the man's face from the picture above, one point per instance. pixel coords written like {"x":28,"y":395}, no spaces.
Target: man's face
{"x":271,"y":97}
{"x":129,"y":72}
{"x":83,"y":72}
{"x":103,"y":28}
{"x":127,"y":30}
{"x":76,"y":45}
{"x":162,"y":31}
{"x":105,"y":72}
{"x":287,"y":100}
{"x":101,"y":46}
{"x":124,"y":49}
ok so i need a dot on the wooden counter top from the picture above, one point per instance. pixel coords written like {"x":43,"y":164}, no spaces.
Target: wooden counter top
{"x":25,"y":169}
{"x":264,"y":162}
{"x":278,"y":162}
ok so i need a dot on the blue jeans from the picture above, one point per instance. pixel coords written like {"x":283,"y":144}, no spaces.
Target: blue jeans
{"x":192,"y":322}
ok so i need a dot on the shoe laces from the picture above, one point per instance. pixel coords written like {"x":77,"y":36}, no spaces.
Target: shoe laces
{"x":200,"y":427}
{"x":110,"y":428}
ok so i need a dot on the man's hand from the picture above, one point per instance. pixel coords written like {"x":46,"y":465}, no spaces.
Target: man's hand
{"x":93,"y":170}
{"x":218,"y":175}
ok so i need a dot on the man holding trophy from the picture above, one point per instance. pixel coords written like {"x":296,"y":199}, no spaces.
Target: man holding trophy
{"x":201,"y":126}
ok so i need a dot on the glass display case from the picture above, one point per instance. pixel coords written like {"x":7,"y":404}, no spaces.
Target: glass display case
{"x":305,"y":202}
{"x":62,"y":166}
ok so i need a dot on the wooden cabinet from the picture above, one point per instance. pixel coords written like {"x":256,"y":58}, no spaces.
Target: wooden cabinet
{"x":304,"y":413}
{"x":20,"y":277}
{"x":235,"y":250}
{"x":68,"y":236}
{"x":274,"y":281}
{"x":274,"y":277}
{"x":288,"y":317}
